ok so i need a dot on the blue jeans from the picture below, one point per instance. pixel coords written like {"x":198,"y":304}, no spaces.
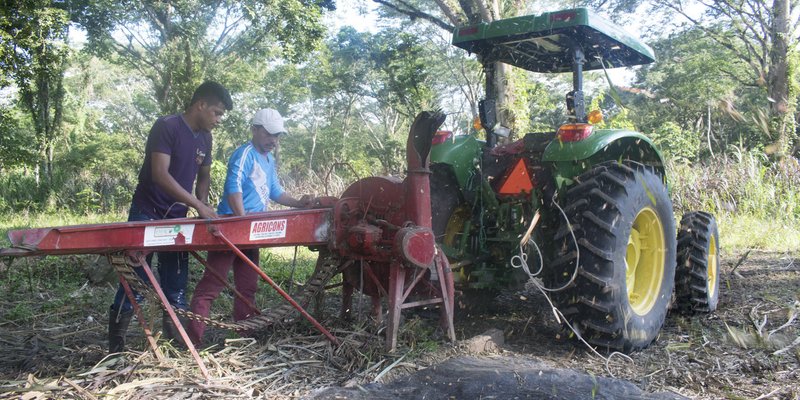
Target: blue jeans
{"x":173,"y":273}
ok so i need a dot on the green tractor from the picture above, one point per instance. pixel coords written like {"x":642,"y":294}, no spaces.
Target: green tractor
{"x":586,"y":211}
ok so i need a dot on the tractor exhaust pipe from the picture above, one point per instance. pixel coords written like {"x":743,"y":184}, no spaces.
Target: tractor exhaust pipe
{"x":417,"y":184}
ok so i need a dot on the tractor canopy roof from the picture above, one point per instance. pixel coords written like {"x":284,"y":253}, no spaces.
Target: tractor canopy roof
{"x":544,"y":43}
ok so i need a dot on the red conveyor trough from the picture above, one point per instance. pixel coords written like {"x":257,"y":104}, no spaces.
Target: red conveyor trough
{"x":136,"y":239}
{"x":380,"y":229}
{"x":267,"y":229}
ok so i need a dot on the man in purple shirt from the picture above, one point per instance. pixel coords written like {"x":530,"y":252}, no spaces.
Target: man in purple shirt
{"x":177,"y":152}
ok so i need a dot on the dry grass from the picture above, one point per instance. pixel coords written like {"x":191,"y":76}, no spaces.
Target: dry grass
{"x":284,"y":364}
{"x":748,"y":349}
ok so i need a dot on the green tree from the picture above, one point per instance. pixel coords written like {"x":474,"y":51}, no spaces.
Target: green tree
{"x":353,"y":101}
{"x":34,"y":53}
{"x":760,"y":34}
{"x":15,"y":147}
{"x":108,"y":98}
{"x":446,"y":14}
{"x":698,"y":87}
{"x":177,"y":44}
{"x":675,"y":142}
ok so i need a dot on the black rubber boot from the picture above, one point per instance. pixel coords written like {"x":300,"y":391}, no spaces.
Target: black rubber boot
{"x":117,"y":328}
{"x":171,"y":331}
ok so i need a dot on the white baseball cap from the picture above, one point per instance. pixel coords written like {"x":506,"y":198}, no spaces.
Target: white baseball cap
{"x":270,"y":119}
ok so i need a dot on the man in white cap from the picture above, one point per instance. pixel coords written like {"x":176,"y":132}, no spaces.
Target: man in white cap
{"x":250,"y":184}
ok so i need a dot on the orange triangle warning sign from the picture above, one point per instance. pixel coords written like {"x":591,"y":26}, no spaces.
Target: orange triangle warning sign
{"x":518,"y":180}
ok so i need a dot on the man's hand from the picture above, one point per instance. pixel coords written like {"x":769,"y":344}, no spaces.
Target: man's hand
{"x":206,"y":212}
{"x":307,"y":200}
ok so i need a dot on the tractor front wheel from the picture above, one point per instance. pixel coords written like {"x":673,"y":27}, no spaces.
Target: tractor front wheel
{"x":614,"y":271}
{"x":697,"y":273}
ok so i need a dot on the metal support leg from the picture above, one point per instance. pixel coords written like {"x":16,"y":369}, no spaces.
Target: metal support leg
{"x":224,"y":281}
{"x":277,"y":288}
{"x":397,"y":278}
{"x":448,"y":297}
{"x":174,"y":317}
{"x":347,"y":302}
{"x":140,"y":316}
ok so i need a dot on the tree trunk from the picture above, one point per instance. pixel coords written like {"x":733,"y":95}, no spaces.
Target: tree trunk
{"x":778,"y":75}
{"x":505,"y":96}
{"x":49,"y":163}
{"x":498,"y":86}
{"x":708,"y":130}
{"x":314,"y":131}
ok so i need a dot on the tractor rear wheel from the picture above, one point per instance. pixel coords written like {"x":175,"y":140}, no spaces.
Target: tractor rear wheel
{"x":450,"y":212}
{"x":446,"y":200}
{"x":697,"y":273}
{"x":614,"y":271}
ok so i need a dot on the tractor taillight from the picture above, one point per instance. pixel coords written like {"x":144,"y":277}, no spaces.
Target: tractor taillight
{"x":470,"y":30}
{"x":563,"y":16}
{"x":574,"y":132}
{"x":441,"y":137}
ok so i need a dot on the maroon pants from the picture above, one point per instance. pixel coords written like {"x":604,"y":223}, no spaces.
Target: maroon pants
{"x":245,"y":281}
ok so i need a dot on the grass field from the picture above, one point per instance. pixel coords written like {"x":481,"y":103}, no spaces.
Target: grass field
{"x":53,"y":312}
{"x":25,"y":282}
{"x":742,"y":232}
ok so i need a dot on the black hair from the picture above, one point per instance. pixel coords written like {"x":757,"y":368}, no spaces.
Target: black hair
{"x":212,"y":91}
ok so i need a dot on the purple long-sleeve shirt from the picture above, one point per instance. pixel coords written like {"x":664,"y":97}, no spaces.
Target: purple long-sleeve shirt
{"x":188,"y":151}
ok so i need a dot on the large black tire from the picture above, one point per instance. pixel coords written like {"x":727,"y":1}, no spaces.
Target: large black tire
{"x":697,"y":272}
{"x":621,"y":215}
{"x":445,"y":199}
{"x":449,"y":212}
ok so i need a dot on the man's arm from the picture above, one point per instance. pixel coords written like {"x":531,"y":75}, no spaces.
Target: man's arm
{"x":203,"y":183}
{"x":305,"y":201}
{"x":165,"y":181}
{"x":236,"y":203}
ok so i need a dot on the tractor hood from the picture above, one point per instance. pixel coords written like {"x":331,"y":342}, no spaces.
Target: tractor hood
{"x":544,"y":43}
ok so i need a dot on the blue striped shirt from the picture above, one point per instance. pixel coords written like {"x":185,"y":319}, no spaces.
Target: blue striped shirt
{"x":253,"y":175}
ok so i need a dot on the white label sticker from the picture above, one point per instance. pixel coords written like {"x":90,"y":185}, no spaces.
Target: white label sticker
{"x":271,"y":229}
{"x":165,"y":235}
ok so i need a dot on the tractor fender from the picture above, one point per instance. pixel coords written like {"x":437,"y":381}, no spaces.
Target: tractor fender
{"x":605,"y":145}
{"x":460,"y":152}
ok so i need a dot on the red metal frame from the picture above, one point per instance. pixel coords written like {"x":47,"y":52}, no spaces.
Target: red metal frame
{"x":277,"y":288}
{"x":302,"y":228}
{"x":140,"y":317}
{"x":172,"y":315}
{"x":381,"y":221}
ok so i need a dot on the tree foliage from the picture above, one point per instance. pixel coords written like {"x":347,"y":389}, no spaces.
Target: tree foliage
{"x":355,"y":100}
{"x":349,"y":99}
{"x":760,"y":34}
{"x":15,"y":147}
{"x":34,"y":53}
{"x":696,"y":90}
{"x":446,"y":15}
{"x":178,"y":44}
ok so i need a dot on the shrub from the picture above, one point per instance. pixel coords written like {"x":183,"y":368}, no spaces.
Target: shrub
{"x":746,"y":183}
{"x":676,"y":144}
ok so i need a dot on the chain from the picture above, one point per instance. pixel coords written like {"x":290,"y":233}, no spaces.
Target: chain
{"x":326,"y":268}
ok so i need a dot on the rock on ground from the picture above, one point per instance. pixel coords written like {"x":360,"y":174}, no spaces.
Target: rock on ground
{"x":494,"y":378}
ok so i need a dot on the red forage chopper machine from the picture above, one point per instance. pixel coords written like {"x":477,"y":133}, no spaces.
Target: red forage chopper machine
{"x":378,"y":235}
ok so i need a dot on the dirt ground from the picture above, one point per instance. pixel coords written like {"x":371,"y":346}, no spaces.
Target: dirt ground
{"x":728,"y":354}
{"x":748,"y":349}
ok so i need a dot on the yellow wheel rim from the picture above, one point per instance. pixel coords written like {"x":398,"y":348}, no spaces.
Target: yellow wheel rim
{"x":644,"y":261}
{"x":712,"y":266}
{"x":455,"y":226}
{"x":453,"y":231}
